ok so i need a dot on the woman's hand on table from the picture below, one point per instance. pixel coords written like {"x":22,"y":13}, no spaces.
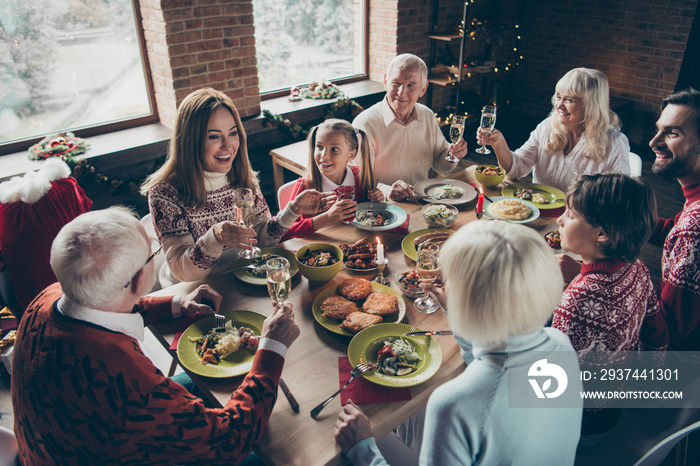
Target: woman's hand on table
{"x":311,"y":202}
{"x":234,"y":235}
{"x":351,"y":427}
{"x":204,"y":299}
{"x":280,"y":325}
{"x":459,"y":149}
{"x":400,"y":190}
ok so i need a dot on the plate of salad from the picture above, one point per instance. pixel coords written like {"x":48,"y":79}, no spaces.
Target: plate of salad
{"x":401,"y":361}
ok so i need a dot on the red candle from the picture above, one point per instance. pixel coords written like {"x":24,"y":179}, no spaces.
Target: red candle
{"x":480,"y":202}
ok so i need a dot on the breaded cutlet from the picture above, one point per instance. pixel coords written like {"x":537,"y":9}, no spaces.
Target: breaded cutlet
{"x":336,"y":307}
{"x":356,"y":321}
{"x":355,"y":289}
{"x":381,"y":304}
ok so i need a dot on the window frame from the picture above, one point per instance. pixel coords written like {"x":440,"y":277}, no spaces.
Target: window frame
{"x":92,"y":130}
{"x":345,"y":80}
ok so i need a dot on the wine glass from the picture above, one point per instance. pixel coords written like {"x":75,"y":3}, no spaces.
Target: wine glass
{"x":488,"y":121}
{"x":456,"y":132}
{"x":347,"y":192}
{"x":244,"y":206}
{"x":428,"y":269}
{"x":279,"y":280}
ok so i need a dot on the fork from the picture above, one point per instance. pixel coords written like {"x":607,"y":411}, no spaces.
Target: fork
{"x":356,"y":371}
{"x":219,"y":321}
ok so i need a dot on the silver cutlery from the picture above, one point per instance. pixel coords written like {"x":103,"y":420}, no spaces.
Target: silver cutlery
{"x":356,"y":372}
{"x":422,"y":333}
{"x":219,"y":322}
{"x":292,"y":401}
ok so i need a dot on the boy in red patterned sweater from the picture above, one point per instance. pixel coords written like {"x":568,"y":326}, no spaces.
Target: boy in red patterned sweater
{"x":677,"y":146}
{"x":611,"y":305}
{"x":83,"y":392}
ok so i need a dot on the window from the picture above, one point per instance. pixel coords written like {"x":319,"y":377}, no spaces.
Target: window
{"x":300,"y":41}
{"x":70,"y":65}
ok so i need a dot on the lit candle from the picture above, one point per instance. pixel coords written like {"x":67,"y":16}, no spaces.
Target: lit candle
{"x":480,"y":202}
{"x":380,"y":251}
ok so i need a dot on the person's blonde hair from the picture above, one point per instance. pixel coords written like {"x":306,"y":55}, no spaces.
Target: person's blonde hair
{"x":184,"y":166}
{"x":313,"y":177}
{"x":503,"y":280}
{"x":591,"y":86}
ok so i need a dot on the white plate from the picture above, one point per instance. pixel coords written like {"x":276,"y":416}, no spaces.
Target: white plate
{"x":533,"y":216}
{"x":427,"y":187}
{"x":398,"y":215}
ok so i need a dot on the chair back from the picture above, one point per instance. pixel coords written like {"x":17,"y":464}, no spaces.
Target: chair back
{"x":660,"y":451}
{"x":284,"y":194}
{"x":8,"y":447}
{"x":635,"y":165}
{"x":159,"y":259}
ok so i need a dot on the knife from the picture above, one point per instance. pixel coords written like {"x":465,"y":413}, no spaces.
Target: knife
{"x":292,"y":402}
{"x":434,"y":332}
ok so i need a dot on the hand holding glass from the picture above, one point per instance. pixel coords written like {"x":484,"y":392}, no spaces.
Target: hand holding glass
{"x":428,"y":269}
{"x":456,"y":132}
{"x":279,"y":280}
{"x":347,"y":192}
{"x":244,"y":206}
{"x":488,"y":121}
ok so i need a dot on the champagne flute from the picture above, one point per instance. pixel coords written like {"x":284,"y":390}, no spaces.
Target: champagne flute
{"x":488,"y":121}
{"x":456,"y":132}
{"x":279,"y":280}
{"x":428,"y":269}
{"x":244,"y":206}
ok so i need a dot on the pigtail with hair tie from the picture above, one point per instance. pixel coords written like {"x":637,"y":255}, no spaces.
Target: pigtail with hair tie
{"x":359,"y":143}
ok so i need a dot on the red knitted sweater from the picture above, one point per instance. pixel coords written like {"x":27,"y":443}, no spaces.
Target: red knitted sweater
{"x":680,"y":272}
{"x":86,"y":395}
{"x":610,"y":306}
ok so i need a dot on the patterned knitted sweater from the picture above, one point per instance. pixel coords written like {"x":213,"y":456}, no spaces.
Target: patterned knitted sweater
{"x":187,"y":232}
{"x":610,"y":306}
{"x":86,"y":395}
{"x":680,"y":272}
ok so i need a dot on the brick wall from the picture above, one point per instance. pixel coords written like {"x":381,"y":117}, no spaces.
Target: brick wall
{"x":209,"y":44}
{"x":638,"y":44}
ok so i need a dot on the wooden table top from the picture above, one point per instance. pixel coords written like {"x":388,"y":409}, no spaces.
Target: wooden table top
{"x":311,"y":366}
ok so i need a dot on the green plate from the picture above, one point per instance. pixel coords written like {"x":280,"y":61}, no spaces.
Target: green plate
{"x":398,"y":215}
{"x":407,"y":244}
{"x":535,"y":212}
{"x":549,"y":192}
{"x":366,"y":343}
{"x":334,"y":325}
{"x":244,"y":276}
{"x":237,"y":363}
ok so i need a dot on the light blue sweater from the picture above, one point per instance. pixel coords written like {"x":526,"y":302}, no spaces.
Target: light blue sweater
{"x":469,"y":421}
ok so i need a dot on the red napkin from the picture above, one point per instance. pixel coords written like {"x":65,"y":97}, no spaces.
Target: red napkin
{"x":401,"y":230}
{"x":363,"y":391}
{"x":552,"y":212}
{"x":186,"y":321}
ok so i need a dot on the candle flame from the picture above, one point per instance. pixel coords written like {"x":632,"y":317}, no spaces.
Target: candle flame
{"x":378,"y":242}
{"x":481,"y":189}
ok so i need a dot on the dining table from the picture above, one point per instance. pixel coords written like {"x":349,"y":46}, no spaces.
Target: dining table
{"x":311,"y":366}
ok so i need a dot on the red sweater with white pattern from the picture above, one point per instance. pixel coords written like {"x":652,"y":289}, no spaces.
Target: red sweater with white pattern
{"x":86,"y":395}
{"x":611,"y":306}
{"x":680,"y":272}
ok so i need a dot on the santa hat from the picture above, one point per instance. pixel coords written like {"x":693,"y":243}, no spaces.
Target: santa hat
{"x":33,"y":185}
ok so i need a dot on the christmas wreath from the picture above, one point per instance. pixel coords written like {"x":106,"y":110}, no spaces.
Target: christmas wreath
{"x":326,"y":90}
{"x":65,"y":145}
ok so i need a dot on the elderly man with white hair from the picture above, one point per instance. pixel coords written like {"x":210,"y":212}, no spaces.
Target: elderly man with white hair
{"x":83,"y":391}
{"x":405,"y":138}
{"x":485,"y":415}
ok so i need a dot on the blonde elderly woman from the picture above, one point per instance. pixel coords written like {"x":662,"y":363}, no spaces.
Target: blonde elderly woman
{"x":191,"y":196}
{"x":502,"y":283}
{"x":581,"y":135}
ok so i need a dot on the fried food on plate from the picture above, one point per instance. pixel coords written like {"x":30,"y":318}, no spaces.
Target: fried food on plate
{"x":355,"y":289}
{"x":356,"y":321}
{"x":510,"y":209}
{"x":381,"y":304}
{"x":432,"y":237}
{"x":336,"y":307}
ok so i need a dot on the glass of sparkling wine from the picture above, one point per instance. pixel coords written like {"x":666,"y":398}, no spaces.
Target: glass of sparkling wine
{"x":488,"y":121}
{"x":456,"y":132}
{"x":244,"y":206}
{"x":279,"y":280}
{"x":428,"y":269}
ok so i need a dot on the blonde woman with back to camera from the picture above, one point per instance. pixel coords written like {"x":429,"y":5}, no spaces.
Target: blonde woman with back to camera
{"x":581,"y":135}
{"x":502,"y":283}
